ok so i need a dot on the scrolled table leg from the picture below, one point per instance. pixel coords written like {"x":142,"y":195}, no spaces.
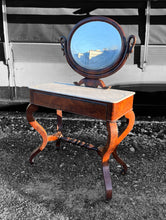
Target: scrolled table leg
{"x":131,"y":119}
{"x":107,"y":151}
{"x":59,"y":126}
{"x":30,"y":110}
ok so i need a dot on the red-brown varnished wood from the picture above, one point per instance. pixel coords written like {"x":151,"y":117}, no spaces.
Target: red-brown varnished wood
{"x":131,"y":119}
{"x":80,"y":143}
{"x":110,"y":147}
{"x":59,"y":119}
{"x":70,"y":104}
{"x":108,"y":111}
{"x":59,"y":126}
{"x":117,"y":110}
{"x":120,"y":161}
{"x":30,"y":110}
{"x":127,"y":47}
{"x":46,"y":138}
{"x":108,"y":105}
{"x":107,"y":180}
{"x":92,"y":83}
{"x":91,"y":108}
{"x":112,"y":129}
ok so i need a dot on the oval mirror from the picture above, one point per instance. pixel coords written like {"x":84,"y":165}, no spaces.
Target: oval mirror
{"x":96,"y":45}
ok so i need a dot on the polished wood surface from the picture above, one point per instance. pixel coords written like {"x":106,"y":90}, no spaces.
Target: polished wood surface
{"x":100,"y":103}
{"x":127,"y":48}
{"x":105,"y":104}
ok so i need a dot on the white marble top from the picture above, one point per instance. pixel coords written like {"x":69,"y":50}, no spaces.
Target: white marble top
{"x":98,"y":94}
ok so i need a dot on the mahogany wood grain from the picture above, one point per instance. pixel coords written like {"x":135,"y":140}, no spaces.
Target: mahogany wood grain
{"x":103,"y":104}
{"x":105,"y":110}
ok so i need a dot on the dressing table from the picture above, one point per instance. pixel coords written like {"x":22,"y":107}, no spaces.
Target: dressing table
{"x":95,"y":48}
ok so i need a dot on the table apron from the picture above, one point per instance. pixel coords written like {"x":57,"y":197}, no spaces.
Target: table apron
{"x":75,"y":105}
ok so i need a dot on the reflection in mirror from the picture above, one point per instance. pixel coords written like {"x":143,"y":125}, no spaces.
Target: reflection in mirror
{"x":96,"y":45}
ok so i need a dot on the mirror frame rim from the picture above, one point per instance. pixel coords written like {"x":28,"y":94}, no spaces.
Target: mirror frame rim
{"x":104,"y":72}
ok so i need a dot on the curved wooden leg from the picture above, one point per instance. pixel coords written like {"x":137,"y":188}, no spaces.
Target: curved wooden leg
{"x":46,"y":138}
{"x":131,"y":119}
{"x":110,"y":147}
{"x":120,"y":161}
{"x":30,"y":110}
{"x":59,"y":126}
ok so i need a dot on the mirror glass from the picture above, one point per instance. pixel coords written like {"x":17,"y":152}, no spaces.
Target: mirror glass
{"x":96,"y":45}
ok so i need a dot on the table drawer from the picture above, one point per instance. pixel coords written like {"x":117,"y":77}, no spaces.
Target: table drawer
{"x":70,"y":104}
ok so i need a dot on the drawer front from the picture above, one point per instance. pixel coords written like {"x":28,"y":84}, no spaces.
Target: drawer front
{"x":70,"y":104}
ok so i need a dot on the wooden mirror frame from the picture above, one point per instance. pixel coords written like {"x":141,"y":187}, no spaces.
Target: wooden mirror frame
{"x":127,"y":47}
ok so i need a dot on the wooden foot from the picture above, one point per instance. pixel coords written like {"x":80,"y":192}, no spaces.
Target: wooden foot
{"x":33,"y":154}
{"x":107,"y":181}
